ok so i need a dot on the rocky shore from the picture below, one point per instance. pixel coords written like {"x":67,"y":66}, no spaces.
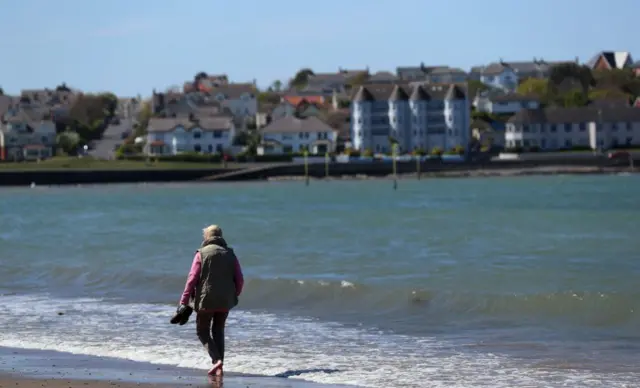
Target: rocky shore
{"x":478,"y":173}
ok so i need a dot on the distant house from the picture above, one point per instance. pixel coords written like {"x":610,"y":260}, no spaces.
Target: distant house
{"x":504,"y":103}
{"x":171,"y":136}
{"x":205,"y":82}
{"x":431,"y":74}
{"x":609,"y":60}
{"x":26,"y":138}
{"x":382,"y":77}
{"x":291,"y":134}
{"x":240,"y":98}
{"x":301,"y":109}
{"x":565,"y":128}
{"x":507,"y":75}
{"x":326,"y":84}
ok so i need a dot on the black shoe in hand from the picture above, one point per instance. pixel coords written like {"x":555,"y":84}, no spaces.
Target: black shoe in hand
{"x":182,"y":315}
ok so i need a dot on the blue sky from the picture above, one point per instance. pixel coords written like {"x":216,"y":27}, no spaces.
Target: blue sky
{"x":132,"y":46}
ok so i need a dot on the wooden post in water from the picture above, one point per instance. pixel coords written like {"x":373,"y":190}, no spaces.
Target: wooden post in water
{"x":327,"y":159}
{"x":631,"y":161}
{"x":306,"y":167}
{"x":394,"y":154}
{"x":418,"y":165}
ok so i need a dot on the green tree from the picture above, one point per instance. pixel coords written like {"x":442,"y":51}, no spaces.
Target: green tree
{"x":277,"y":85}
{"x":301,"y":78}
{"x":474,"y":86}
{"x":358,"y":79}
{"x":62,"y":88}
{"x":68,"y":142}
{"x":571,"y":73}
{"x":1,"y":91}
{"x":268,"y":98}
{"x":534,"y":87}
{"x":250,"y":139}
{"x":608,"y":94}
{"x":573,"y":98}
{"x":144,"y":115}
{"x":623,"y":80}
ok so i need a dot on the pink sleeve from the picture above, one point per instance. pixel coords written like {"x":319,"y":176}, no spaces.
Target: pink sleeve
{"x":238,"y":278}
{"x":192,"y":279}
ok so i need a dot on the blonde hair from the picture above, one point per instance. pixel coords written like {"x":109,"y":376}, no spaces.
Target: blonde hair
{"x":211,"y":231}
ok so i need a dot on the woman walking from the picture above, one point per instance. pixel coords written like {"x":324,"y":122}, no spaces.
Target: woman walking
{"x":214,"y":282}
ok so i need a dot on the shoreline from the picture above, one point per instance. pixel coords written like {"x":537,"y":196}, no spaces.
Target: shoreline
{"x":476,"y":173}
{"x":44,"y":368}
{"x":61,"y":178}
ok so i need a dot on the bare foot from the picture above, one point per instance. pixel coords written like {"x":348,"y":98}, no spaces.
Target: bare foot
{"x":219,"y":371}
{"x":214,"y":369}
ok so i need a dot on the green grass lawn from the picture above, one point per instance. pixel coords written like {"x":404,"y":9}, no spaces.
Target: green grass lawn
{"x":87,"y":163}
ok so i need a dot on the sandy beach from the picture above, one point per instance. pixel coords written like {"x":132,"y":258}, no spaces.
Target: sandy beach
{"x":38,"y":368}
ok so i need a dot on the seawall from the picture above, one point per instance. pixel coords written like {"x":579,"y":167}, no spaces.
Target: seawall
{"x":316,"y":170}
{"x":64,"y":177}
{"x":379,"y":168}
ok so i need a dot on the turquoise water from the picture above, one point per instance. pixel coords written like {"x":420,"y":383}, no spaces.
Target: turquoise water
{"x":458,"y":282}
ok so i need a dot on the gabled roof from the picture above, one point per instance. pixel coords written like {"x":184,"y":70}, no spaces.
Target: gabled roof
{"x":519,"y":67}
{"x":417,"y":91}
{"x":296,"y":100}
{"x":292,"y":124}
{"x":234,"y":91}
{"x":577,"y":115}
{"x":219,"y":123}
{"x":613,"y":59}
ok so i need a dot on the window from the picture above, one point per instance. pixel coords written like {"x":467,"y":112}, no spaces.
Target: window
{"x":44,"y":139}
{"x":629,"y":141}
{"x":219,"y":148}
{"x":301,"y":135}
{"x":197,"y":135}
{"x":197,"y":148}
{"x":614,"y":127}
{"x":567,"y":127}
{"x":629,"y":126}
{"x":567,"y":143}
{"x":582,"y":127}
{"x":210,"y":148}
{"x":217,"y":134}
{"x":552,"y":128}
{"x":287,"y":149}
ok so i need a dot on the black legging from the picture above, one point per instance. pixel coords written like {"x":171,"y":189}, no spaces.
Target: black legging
{"x":210,"y":330}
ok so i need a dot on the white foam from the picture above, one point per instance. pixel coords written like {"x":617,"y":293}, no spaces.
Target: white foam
{"x":269,"y":344}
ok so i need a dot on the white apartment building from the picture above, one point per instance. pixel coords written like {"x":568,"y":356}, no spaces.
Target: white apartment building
{"x":171,"y":136}
{"x":566,"y":128}
{"x":418,"y":117}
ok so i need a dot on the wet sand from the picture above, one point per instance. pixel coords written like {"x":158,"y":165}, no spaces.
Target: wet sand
{"x":41,"y":368}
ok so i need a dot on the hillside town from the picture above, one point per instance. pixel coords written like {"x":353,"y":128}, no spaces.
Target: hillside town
{"x":515,"y":106}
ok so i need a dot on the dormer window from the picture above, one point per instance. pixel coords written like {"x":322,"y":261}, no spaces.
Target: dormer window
{"x":197,"y":134}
